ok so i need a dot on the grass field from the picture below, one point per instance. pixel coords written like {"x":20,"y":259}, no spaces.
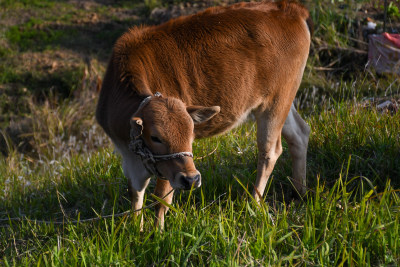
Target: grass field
{"x":58,"y":166}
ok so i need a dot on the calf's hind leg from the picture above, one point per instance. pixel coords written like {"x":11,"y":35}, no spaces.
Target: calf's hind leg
{"x":296,"y":133}
{"x":269,"y":149}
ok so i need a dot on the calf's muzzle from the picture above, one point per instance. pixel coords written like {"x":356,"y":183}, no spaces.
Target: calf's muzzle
{"x":187,"y":181}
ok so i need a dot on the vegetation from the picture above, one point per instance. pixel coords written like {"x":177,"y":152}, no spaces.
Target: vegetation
{"x":58,"y":166}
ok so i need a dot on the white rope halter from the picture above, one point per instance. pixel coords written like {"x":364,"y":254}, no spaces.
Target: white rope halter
{"x":138,"y":146}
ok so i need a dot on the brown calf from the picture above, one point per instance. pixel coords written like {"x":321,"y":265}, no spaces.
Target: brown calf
{"x":212,"y":69}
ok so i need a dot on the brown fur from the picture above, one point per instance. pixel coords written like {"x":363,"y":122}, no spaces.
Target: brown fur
{"x":196,"y":58}
{"x":249,"y":56}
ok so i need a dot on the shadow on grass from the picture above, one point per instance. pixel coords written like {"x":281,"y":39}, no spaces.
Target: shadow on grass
{"x":96,"y":189}
{"x":377,"y":163}
{"x":89,"y":39}
{"x":86,"y":189}
{"x":98,"y":186}
{"x":61,"y":83}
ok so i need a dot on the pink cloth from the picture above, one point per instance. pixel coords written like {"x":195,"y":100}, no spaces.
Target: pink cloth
{"x":383,"y":54}
{"x":393,"y":37}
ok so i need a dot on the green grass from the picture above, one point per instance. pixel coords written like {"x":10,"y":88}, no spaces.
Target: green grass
{"x":345,"y":218}
{"x":63,"y":168}
{"x":28,"y":35}
{"x":372,"y":140}
{"x":27,"y":3}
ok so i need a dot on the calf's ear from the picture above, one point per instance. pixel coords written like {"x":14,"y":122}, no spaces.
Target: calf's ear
{"x":136,"y":127}
{"x":201,"y":114}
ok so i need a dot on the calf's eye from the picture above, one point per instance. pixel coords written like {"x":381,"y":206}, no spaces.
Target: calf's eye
{"x":155,"y":139}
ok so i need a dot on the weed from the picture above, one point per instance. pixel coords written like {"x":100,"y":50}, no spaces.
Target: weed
{"x":393,"y":11}
{"x":151,"y":4}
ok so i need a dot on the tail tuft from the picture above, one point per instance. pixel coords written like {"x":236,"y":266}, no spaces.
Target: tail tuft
{"x":297,"y":9}
{"x":310,"y":25}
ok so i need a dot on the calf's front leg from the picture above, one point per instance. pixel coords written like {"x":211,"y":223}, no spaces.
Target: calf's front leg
{"x":163,"y":190}
{"x":138,"y":179}
{"x":136,"y":201}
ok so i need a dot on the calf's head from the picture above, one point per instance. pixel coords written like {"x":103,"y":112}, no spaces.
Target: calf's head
{"x":166,"y":126}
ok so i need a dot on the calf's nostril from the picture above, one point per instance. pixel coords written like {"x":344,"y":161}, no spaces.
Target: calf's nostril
{"x":184,"y":181}
{"x":188,"y":181}
{"x":196,"y":178}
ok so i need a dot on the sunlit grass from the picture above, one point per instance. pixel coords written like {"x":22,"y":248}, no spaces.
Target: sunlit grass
{"x":345,"y":218}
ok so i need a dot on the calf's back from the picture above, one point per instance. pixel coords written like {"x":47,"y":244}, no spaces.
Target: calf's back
{"x":234,"y":57}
